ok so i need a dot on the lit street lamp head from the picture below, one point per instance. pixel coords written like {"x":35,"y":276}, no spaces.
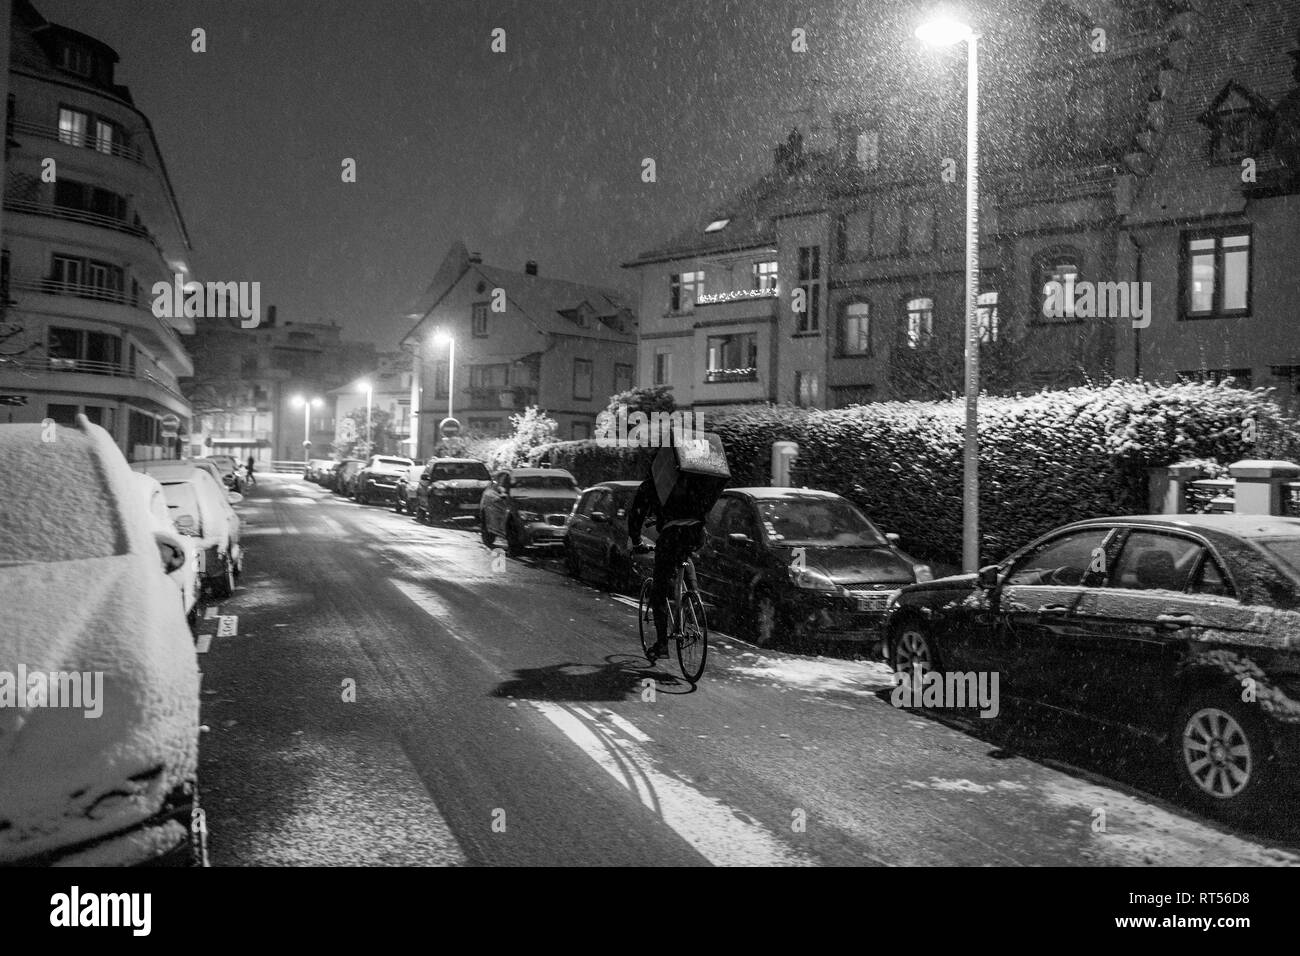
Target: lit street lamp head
{"x":441,"y":338}
{"x":943,"y":30}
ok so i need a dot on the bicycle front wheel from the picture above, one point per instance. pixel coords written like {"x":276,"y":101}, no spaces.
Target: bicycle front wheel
{"x":645,"y":616}
{"x":692,"y":637}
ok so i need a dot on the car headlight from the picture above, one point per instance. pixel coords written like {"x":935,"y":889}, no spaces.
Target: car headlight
{"x":811,"y":580}
{"x":923,"y":573}
{"x":529,"y":516}
{"x":439,"y":486}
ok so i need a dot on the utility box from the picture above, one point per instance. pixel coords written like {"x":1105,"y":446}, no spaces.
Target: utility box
{"x":694,"y":467}
{"x":783,"y":455}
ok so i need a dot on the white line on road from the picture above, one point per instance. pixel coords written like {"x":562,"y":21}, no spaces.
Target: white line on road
{"x":203,"y":643}
{"x":708,"y":825}
{"x":605,"y":715}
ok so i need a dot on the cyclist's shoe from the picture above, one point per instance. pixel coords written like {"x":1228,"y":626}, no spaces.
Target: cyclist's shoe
{"x":660,"y":649}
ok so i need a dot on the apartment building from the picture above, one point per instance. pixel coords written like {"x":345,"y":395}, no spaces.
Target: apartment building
{"x":1113,"y":145}
{"x":519,"y":339}
{"x":91,"y":222}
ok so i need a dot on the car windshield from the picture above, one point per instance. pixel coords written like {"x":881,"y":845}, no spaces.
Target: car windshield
{"x":182,"y":500}
{"x":817,"y":522}
{"x":394,"y":462}
{"x":544,"y":482}
{"x":453,"y":470}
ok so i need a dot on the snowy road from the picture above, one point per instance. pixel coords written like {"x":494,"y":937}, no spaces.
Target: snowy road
{"x":501,"y":716}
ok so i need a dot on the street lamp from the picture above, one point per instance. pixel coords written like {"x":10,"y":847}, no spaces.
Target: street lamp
{"x":945,"y":31}
{"x":444,"y":338}
{"x":366,"y":387}
{"x":299,"y":400}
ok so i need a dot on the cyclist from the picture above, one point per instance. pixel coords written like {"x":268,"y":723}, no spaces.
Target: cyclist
{"x":681,"y":532}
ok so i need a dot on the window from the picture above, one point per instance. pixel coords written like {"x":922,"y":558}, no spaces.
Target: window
{"x":868,"y":149}
{"x":1062,"y":268}
{"x":1216,"y":270}
{"x":919,"y":227}
{"x":986,"y":315}
{"x":76,"y":59}
{"x":1239,"y":122}
{"x":622,"y":377}
{"x":684,"y":289}
{"x":1153,"y":561}
{"x":62,"y":414}
{"x":810,"y":273}
{"x":105,"y":136}
{"x":440,"y":379}
{"x":581,"y":379}
{"x":855,"y":334}
{"x":95,"y":352}
{"x":489,"y":376}
{"x":663,"y":366}
{"x":478,"y":320}
{"x":1062,"y":561}
{"x":807,"y":388}
{"x":72,"y":126}
{"x":732,"y":358}
{"x":65,"y":272}
{"x":920,"y":322}
{"x":765,"y":275}
{"x":1210,"y":579}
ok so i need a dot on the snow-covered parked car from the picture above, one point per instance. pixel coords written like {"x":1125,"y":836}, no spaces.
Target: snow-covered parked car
{"x":99,"y":702}
{"x":201,"y":508}
{"x":179,"y":557}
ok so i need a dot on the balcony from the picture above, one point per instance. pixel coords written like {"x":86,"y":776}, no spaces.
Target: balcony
{"x":100,"y":378}
{"x":741,"y":305}
{"x":501,"y":396}
{"x":85,"y":141}
{"x":716,"y":376}
{"x":69,"y":214}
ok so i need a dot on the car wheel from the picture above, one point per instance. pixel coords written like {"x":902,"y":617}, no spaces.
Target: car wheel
{"x":398,"y":503}
{"x":224,"y":584}
{"x":764,"y":623}
{"x":488,"y":538}
{"x":572,"y":563}
{"x":514,"y":539}
{"x":1222,"y":755}
{"x":912,"y":646}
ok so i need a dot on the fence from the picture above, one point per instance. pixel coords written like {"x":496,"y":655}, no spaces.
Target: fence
{"x":289,"y":467}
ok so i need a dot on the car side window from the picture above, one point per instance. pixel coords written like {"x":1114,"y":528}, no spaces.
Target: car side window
{"x":585,"y":503}
{"x":713,"y":521}
{"x":1152,"y":560}
{"x":736,"y":519}
{"x":1210,"y":579}
{"x":1068,"y":560}
{"x":601,"y":502}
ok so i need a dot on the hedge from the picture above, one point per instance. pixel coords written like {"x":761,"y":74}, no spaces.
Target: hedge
{"x":1045,"y":459}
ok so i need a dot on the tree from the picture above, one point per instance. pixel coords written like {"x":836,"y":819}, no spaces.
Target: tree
{"x":534,"y":427}
{"x":382,"y":440}
{"x":648,"y":398}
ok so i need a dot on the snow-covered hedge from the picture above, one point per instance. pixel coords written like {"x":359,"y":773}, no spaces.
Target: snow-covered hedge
{"x":1045,"y":459}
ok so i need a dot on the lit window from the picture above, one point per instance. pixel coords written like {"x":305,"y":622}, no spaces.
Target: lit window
{"x":856,"y":335}
{"x":717,"y":225}
{"x":868,"y":149}
{"x":72,"y":127}
{"x":986,"y":315}
{"x":1064,"y":270}
{"x":733,"y":358}
{"x":765,"y":275}
{"x":920,"y":322}
{"x":807,"y":387}
{"x":1218,"y":275}
{"x":684,"y":290}
{"x":807,"y":306}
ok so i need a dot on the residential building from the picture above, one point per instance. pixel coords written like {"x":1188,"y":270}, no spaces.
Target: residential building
{"x":252,"y":388}
{"x":387,"y":389}
{"x":91,"y":222}
{"x":520,"y":339}
{"x":1113,"y":137}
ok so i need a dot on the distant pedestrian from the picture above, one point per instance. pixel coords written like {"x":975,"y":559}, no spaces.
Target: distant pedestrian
{"x":248,"y":478}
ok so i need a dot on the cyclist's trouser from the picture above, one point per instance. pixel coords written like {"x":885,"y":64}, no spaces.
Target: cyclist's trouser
{"x":675,"y":544}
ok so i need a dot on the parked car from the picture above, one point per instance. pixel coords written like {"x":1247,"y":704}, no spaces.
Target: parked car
{"x":85,"y":596}
{"x":450,"y":488}
{"x":528,"y":507}
{"x":342,"y":477}
{"x":202,"y":509}
{"x":231,"y":470}
{"x":800,"y":563}
{"x":1163,"y":624}
{"x":404,"y":493}
{"x":179,"y":556}
{"x":317,"y":468}
{"x":377,"y":480}
{"x":597,"y":542}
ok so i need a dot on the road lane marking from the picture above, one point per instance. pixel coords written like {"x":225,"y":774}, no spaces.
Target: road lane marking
{"x":228,"y":625}
{"x":710,"y":826}
{"x":203,"y":643}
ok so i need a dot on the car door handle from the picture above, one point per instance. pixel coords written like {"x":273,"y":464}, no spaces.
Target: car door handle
{"x":1175,"y":620}
{"x":1056,"y":610}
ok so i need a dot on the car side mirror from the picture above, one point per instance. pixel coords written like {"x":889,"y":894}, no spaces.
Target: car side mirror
{"x":740,"y":540}
{"x":987,"y":577}
{"x":891,"y":537}
{"x":600,"y":517}
{"x":620,"y":513}
{"x":234,"y":497}
{"x":170,"y":551}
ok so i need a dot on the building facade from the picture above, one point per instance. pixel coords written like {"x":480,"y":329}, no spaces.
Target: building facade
{"x":520,"y":339}
{"x":387,"y":390}
{"x":264,"y":391}
{"x":90,"y":224}
{"x":1114,"y":146}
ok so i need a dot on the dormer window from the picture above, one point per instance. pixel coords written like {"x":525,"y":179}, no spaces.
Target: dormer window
{"x":76,"y":59}
{"x":717,"y":225}
{"x":1239,"y":123}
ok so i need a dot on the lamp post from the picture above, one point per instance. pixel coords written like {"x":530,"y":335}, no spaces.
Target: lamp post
{"x":444,"y":338}
{"x":945,"y":31}
{"x":369,"y":390}
{"x":306,"y":423}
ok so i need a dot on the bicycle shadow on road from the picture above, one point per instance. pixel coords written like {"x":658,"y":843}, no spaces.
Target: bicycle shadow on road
{"x":620,"y":677}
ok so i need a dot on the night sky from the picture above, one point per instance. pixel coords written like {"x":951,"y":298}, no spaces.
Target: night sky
{"x":531,"y":154}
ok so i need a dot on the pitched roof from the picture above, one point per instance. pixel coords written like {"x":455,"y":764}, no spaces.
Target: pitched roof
{"x":544,"y":301}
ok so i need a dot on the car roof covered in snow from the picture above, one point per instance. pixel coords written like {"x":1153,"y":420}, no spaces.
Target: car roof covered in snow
{"x":1236,"y":525}
{"x":761,"y":491}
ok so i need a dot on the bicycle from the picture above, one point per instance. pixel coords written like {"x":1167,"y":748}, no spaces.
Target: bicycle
{"x":687,"y":625}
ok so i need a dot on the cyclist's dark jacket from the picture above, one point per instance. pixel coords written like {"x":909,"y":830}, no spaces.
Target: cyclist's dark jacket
{"x":680,"y":506}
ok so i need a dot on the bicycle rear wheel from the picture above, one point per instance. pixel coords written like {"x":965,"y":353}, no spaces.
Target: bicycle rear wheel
{"x":692,"y":637}
{"x":645,"y":617}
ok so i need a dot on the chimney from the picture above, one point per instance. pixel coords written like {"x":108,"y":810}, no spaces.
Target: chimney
{"x":530,"y":267}
{"x":270,"y":315}
{"x":476,"y":257}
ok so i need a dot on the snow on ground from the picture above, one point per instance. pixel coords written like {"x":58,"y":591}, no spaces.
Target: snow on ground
{"x":815,"y":674}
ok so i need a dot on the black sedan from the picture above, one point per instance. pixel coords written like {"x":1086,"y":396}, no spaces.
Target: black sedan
{"x":1183,"y":628}
{"x":800,"y":564}
{"x":597,"y":543}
